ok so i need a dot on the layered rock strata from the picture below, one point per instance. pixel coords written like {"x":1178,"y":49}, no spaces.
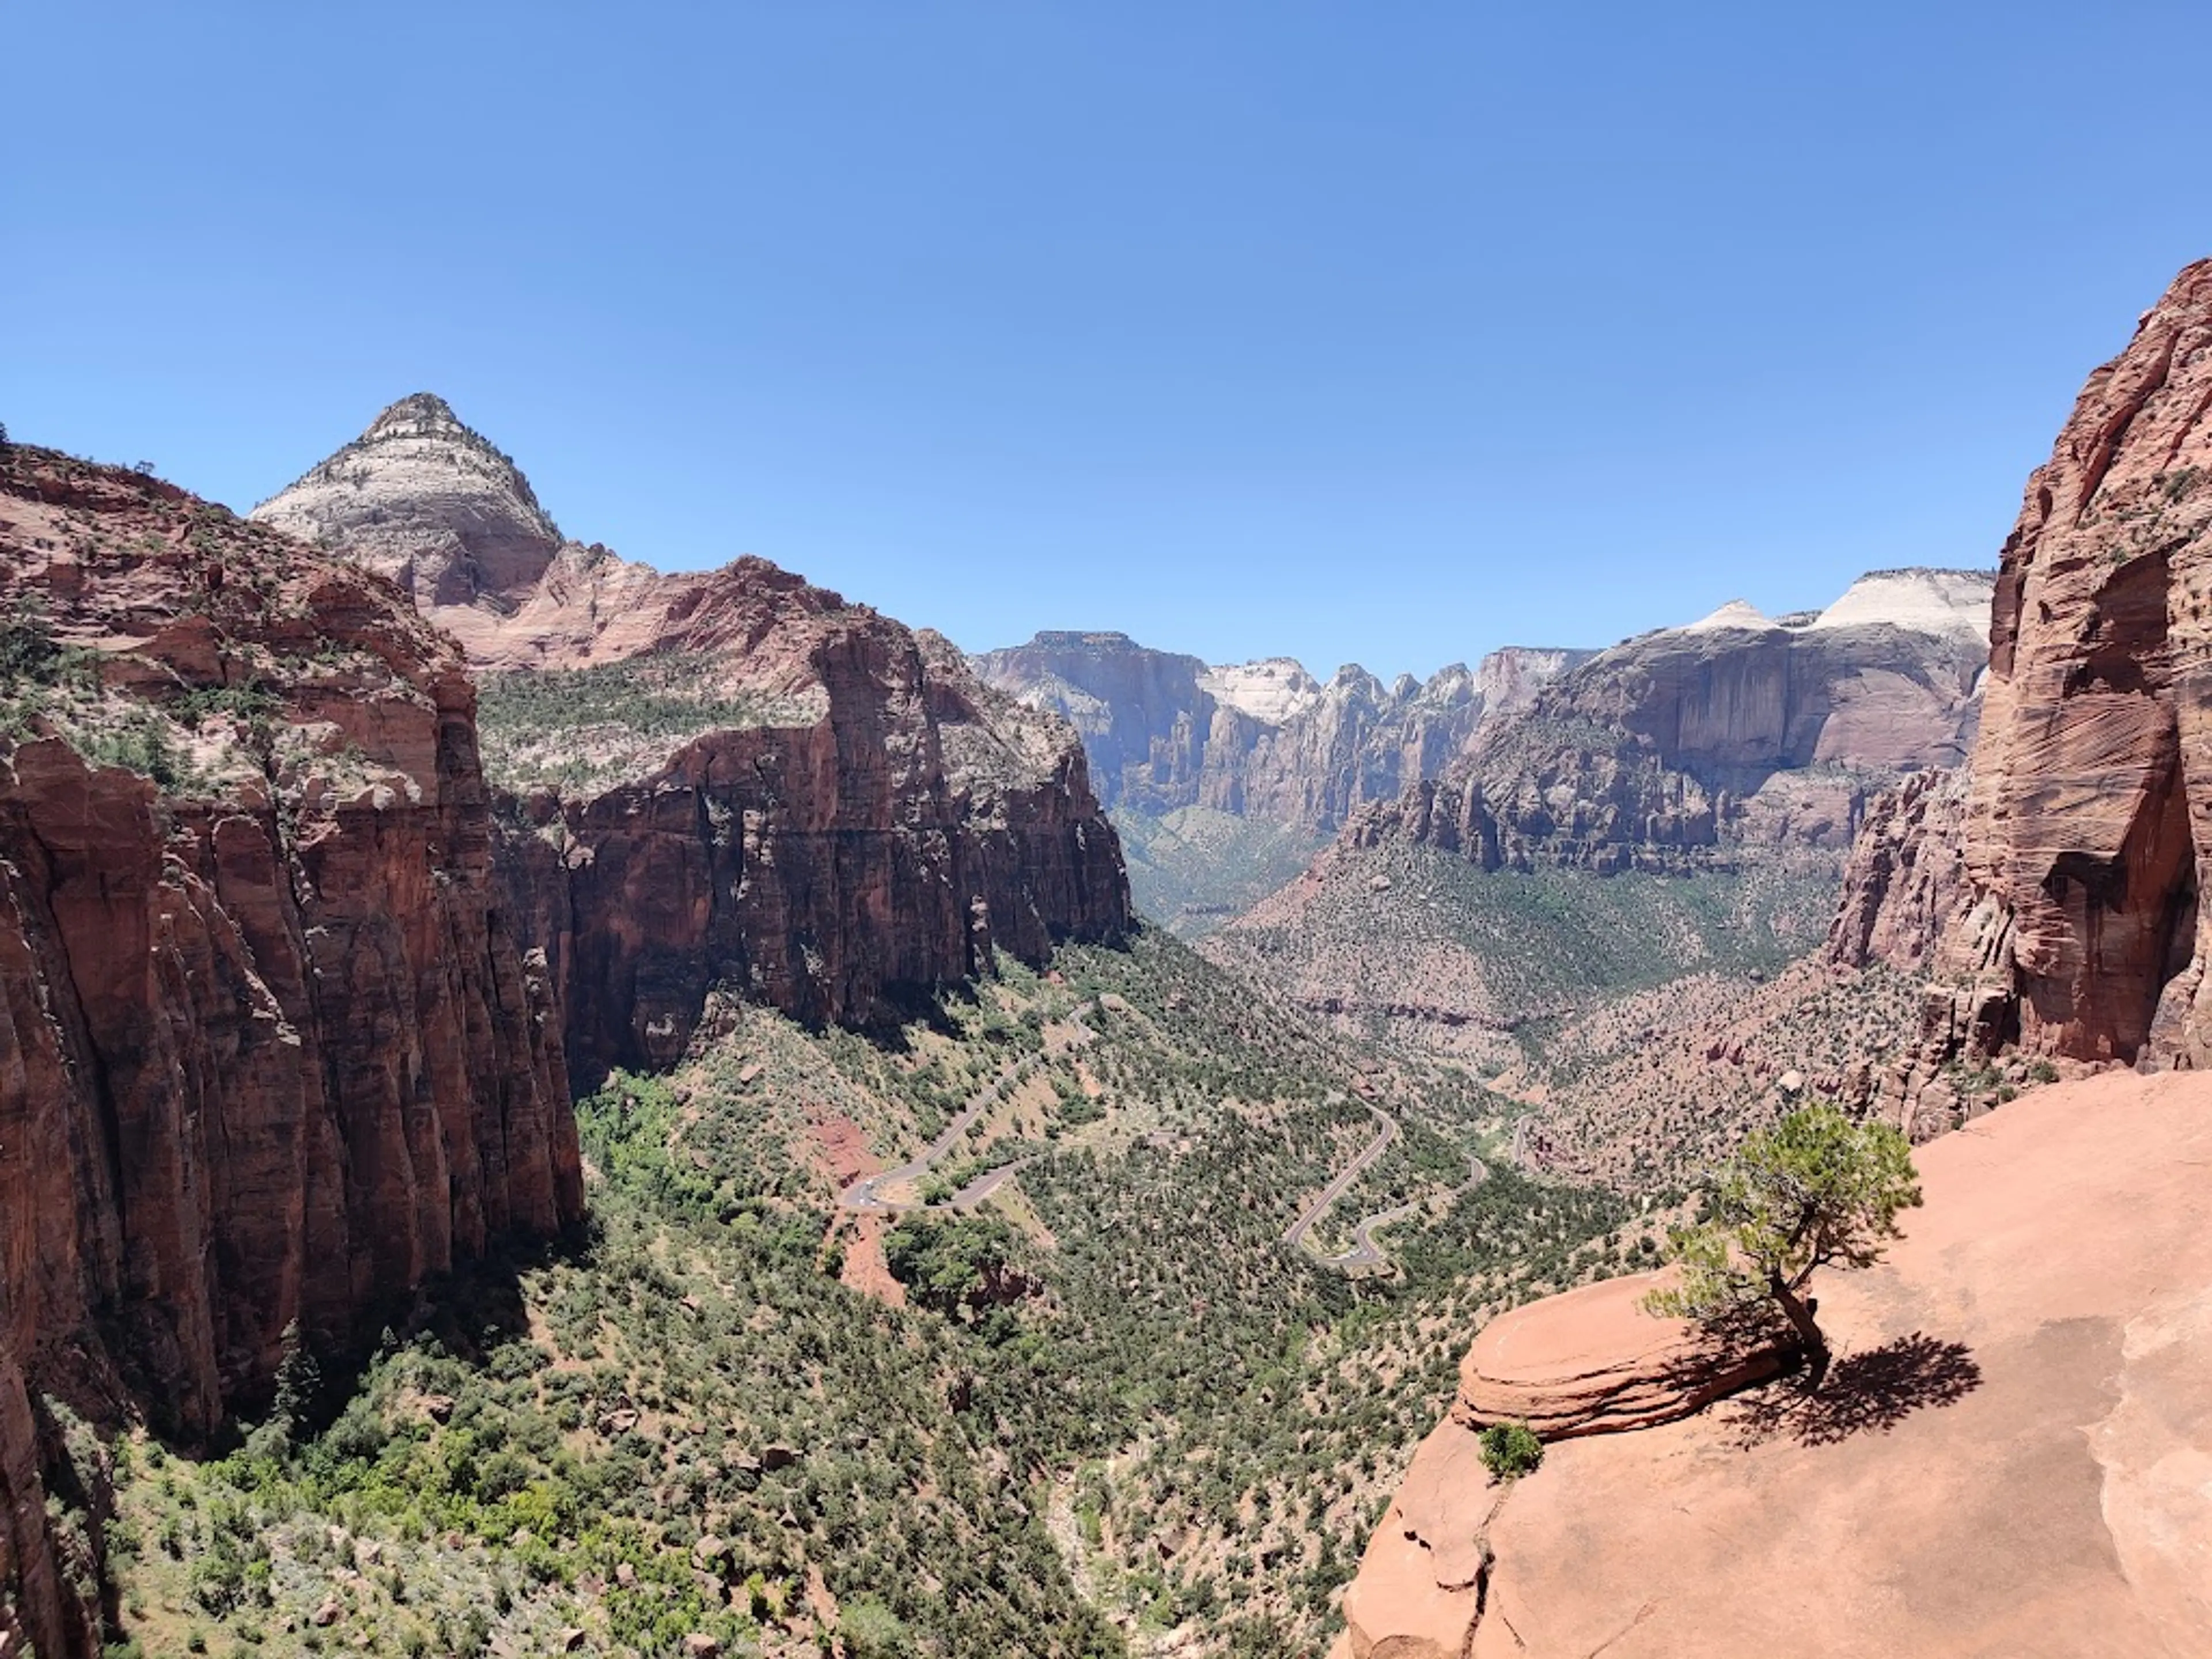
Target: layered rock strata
{"x":719,"y":776}
{"x":1671,"y":751}
{"x":1261,"y":740}
{"x":270,"y":1047}
{"x":1593,"y":1362}
{"x":2077,"y":852}
{"x":1904,"y":877}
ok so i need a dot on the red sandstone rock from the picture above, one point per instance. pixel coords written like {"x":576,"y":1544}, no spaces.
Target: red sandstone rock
{"x":2009,"y":1457}
{"x":1593,"y":1362}
{"x":2091,"y":793}
{"x":1903,"y":878}
{"x":269,"y":1049}
{"x":2058,"y":906}
{"x":884,"y":820}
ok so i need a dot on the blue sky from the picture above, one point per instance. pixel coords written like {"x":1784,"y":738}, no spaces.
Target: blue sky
{"x":1385,"y":333}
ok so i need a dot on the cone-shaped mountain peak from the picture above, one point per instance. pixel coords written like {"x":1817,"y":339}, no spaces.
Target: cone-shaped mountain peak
{"x":425,"y":499}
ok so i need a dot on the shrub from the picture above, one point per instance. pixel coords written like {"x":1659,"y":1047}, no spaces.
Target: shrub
{"x":1510,"y":1449}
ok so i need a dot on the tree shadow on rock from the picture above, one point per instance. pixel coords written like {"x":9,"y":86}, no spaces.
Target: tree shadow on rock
{"x":1872,"y":1391}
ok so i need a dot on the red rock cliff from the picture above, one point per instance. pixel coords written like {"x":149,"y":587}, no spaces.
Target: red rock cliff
{"x":2076,"y":855}
{"x":270,"y":1050}
{"x":2091,"y":791}
{"x":728,"y":776}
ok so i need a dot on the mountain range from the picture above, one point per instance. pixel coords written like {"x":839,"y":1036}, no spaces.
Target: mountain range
{"x":547,"y":1105}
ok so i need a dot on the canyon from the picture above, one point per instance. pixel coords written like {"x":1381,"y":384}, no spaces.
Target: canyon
{"x":367,"y":860}
{"x":828,"y":808}
{"x":295,"y":993}
{"x":1225,"y":780}
{"x":1737,"y":735}
{"x":2044,"y":895}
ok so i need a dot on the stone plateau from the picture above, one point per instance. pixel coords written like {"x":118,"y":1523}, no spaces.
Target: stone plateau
{"x":2009,"y":1457}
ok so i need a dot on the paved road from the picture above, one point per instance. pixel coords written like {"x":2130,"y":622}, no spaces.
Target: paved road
{"x":1366,"y":1255}
{"x":1296,"y":1234}
{"x":864,"y":1196}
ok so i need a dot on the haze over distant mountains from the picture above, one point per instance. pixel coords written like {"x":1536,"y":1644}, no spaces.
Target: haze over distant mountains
{"x":1224,"y":778}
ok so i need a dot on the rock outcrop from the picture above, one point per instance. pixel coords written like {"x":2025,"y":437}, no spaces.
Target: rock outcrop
{"x":728,"y":776}
{"x":1262,"y":740}
{"x":421,"y":498}
{"x":270,"y":1049}
{"x":1904,"y":877}
{"x":2091,"y":797}
{"x":1672,"y":749}
{"x":1593,"y":1362}
{"x":2054,"y":894}
{"x":2008,"y":1457}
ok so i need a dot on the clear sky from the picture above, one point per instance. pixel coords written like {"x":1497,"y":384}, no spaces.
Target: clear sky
{"x":1376,"y":331}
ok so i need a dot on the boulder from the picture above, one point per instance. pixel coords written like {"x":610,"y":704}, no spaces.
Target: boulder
{"x":1593,"y":1362}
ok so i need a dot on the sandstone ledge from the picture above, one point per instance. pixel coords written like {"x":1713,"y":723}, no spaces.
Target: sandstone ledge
{"x":1593,"y":1362}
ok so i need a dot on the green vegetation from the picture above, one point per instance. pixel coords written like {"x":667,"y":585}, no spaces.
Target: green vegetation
{"x":1815,"y":1190}
{"x":1193,"y":868}
{"x":34,"y":666}
{"x":1113,"y":1405}
{"x":1519,"y":952}
{"x":1510,"y":1450}
{"x":579,"y":727}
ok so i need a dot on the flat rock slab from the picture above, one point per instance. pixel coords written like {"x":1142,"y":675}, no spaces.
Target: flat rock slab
{"x":2012,"y":1458}
{"x":1593,"y":1362}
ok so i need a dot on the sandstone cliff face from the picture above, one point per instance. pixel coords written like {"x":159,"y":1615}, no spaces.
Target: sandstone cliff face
{"x":728,"y":776}
{"x":1262,"y":740}
{"x":1225,"y":781}
{"x":1671,"y":750}
{"x":1904,"y":877}
{"x":2052,"y":891}
{"x":270,"y":1049}
{"x":2091,"y":797}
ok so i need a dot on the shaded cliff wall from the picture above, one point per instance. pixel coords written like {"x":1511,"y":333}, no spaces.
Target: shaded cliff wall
{"x":270,"y":1050}
{"x":921,"y":823}
{"x":840,"y":810}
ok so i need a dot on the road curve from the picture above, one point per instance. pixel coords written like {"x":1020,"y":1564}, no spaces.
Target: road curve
{"x":1295,"y":1234}
{"x":862,"y":1198}
{"x":1364,"y":1253}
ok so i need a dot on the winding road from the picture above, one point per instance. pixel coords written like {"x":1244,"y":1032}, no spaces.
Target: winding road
{"x":864,"y":1196}
{"x":1295,"y":1234}
{"x":1366,"y":1255}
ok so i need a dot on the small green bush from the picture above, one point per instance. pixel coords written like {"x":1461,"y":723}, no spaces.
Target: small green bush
{"x":1510,"y":1449}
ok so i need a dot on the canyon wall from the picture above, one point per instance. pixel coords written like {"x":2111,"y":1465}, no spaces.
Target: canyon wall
{"x":271,"y":1049}
{"x":2074,"y":848}
{"x":1262,"y":740}
{"x":727,"y":776}
{"x":1673,"y":749}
